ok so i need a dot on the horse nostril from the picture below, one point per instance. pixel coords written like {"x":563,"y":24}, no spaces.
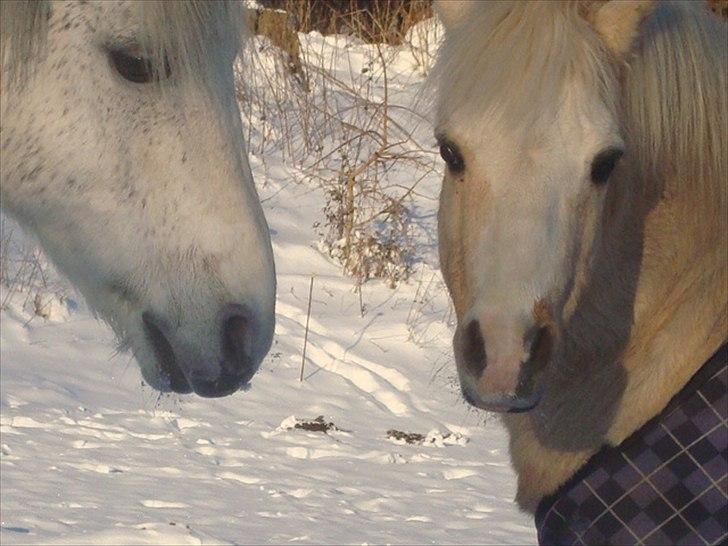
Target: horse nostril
{"x":537,"y":343}
{"x":236,"y":337}
{"x":473,"y":349}
{"x":164,"y":354}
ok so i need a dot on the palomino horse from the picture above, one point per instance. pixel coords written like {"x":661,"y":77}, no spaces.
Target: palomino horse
{"x":122,"y":152}
{"x":583,"y":217}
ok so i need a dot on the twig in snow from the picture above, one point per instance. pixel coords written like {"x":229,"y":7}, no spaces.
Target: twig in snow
{"x":305,"y":336}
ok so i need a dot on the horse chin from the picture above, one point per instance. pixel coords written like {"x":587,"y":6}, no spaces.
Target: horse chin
{"x":163,"y":382}
{"x":504,"y":403}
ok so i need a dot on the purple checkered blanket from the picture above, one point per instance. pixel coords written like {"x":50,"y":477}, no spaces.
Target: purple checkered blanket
{"x":665,"y":484}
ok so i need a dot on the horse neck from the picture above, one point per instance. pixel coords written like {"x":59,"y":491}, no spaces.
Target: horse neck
{"x":680,"y":303}
{"x":671,"y":242}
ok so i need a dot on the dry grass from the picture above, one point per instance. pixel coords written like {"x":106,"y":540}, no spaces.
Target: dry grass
{"x":342,"y":131}
{"x":25,"y":274}
{"x":373,"y":21}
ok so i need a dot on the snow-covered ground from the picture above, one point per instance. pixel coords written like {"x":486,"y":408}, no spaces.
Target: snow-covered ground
{"x":89,"y":455}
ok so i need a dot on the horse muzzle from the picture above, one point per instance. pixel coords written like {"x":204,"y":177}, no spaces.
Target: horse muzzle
{"x":499,"y":364}
{"x":219,"y":369}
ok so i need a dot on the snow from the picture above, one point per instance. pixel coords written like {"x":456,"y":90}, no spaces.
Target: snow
{"x":88,"y":455}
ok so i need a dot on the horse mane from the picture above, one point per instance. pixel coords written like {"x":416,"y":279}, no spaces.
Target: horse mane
{"x":674,"y":100}
{"x":23,"y":27}
{"x":179,"y":34}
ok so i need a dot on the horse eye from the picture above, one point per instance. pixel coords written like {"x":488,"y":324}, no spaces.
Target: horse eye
{"x":603,"y":164}
{"x":133,"y":66}
{"x":451,"y":156}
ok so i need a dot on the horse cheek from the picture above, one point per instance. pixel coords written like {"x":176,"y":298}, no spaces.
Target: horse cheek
{"x":449,"y":224}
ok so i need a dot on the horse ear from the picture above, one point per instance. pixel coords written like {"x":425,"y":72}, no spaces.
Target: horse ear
{"x":618,"y":21}
{"x":452,"y":12}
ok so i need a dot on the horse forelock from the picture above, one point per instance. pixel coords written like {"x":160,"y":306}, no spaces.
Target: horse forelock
{"x":512,"y":60}
{"x":182,"y":33}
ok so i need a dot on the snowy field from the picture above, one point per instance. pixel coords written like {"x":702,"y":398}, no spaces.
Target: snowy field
{"x":91,"y":456}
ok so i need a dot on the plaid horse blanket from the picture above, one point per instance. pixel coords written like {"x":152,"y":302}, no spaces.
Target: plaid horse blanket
{"x":665,"y":484}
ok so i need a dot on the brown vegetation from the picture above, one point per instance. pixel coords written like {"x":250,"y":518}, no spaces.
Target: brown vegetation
{"x":374,"y":21}
{"x":407,"y":437}
{"x":316,"y":425}
{"x":278,"y":26}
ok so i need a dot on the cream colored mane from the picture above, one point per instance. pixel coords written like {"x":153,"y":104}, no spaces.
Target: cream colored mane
{"x":676,"y":95}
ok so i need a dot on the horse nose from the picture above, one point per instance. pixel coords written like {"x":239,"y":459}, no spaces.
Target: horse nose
{"x":211,"y":371}
{"x":495,"y":364}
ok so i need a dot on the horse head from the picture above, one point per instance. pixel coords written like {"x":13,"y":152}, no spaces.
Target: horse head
{"x":123,"y":153}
